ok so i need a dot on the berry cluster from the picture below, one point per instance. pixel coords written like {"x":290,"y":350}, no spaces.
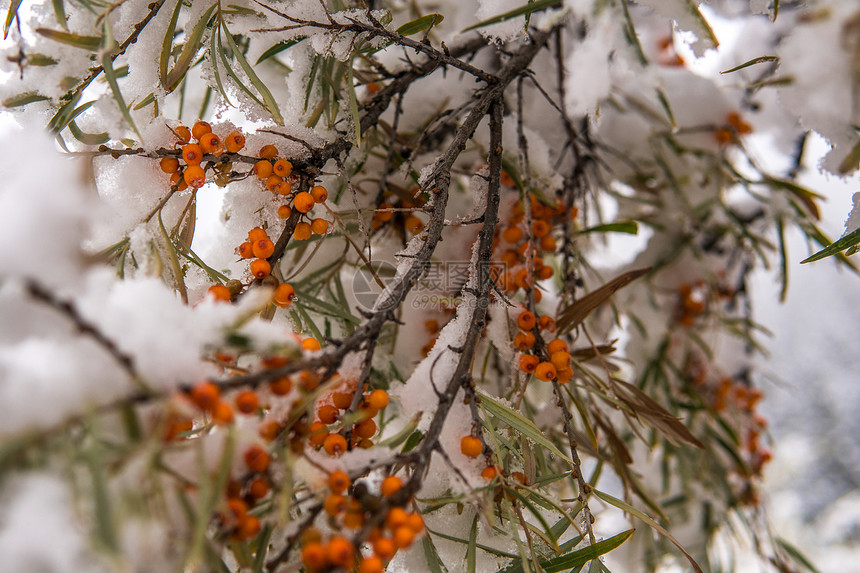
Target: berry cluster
{"x":734,"y":128}
{"x":558,"y":365}
{"x":191,"y":172}
{"x":329,"y":413}
{"x":348,"y":506}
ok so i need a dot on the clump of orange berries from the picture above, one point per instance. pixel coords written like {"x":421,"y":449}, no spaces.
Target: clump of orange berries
{"x":558,"y":365}
{"x":190,"y":172}
{"x":734,"y":128}
{"x":329,"y":413}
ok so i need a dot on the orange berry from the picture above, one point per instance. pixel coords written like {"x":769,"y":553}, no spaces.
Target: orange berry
{"x":303,"y":202}
{"x":318,"y":434}
{"x":384,"y":547}
{"x":308,"y":380}
{"x":524,"y":340}
{"x":547,"y":244}
{"x":205,"y":395}
{"x":249,"y":527}
{"x":311,"y":344}
{"x":403,"y":536}
{"x":169,"y":164}
{"x":526,"y":320}
{"x":520,"y":477}
{"x":263,"y":249}
{"x":371,"y":564}
{"x":338,"y":481}
{"x":314,"y":556}
{"x":200,"y":128}
{"x":284,"y":212}
{"x":281,"y":386}
{"x":258,"y":488}
{"x":522,"y":279}
{"x":319,"y":193}
{"x":263,"y":169}
{"x":272,"y":183}
{"x":342,"y":400}
{"x":284,"y":295}
{"x":489,"y":473}
{"x":341,"y":552}
{"x":528,"y":363}
{"x":378,"y":399}
{"x":246,"y":250}
{"x":334,"y":444}
{"x":302,"y":232}
{"x":413,"y":224}
{"x":184,"y":133}
{"x":353,"y":519}
{"x":564,"y":375}
{"x":385,"y":216}
{"x":269,"y":431}
{"x":257,"y":459}
{"x":194,"y":176}
{"x":560,"y":360}
{"x":415,"y":522}
{"x":471,"y":446}
{"x":247,"y":402}
{"x":365,"y":429}
{"x":234,"y":142}
{"x":260,"y":268}
{"x":334,"y":504}
{"x":540,"y":228}
{"x":396,"y":517}
{"x":327,"y":414}
{"x":512,"y":234}
{"x":556,"y":345}
{"x":545,"y":371}
{"x":546,"y":322}
{"x":219,"y":292}
{"x":391,"y":485}
{"x":319,"y":226}
{"x":723,"y":136}
{"x":282,"y":168}
{"x":222,"y":413}
{"x":211,"y":143}
{"x":283,"y":188}
{"x":175,"y":425}
{"x":268,"y":152}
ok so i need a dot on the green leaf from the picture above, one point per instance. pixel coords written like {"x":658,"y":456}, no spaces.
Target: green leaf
{"x":795,"y":554}
{"x":110,"y":76}
{"x":60,"y":13}
{"x":87,"y":138}
{"x":189,"y":51}
{"x":579,"y":557}
{"x":404,"y":434}
{"x":40,"y":60}
{"x":420,"y":24}
{"x":471,"y":548}
{"x":752,"y":62}
{"x":849,"y":240}
{"x":485,"y":548}
{"x":167,"y":44}
{"x":23,"y":99}
{"x":278,"y":48}
{"x":434,"y":562}
{"x":270,"y":104}
{"x":703,"y":28}
{"x":11,"y":15}
{"x":614,"y":501}
{"x":516,"y":12}
{"x":91,"y":43}
{"x":353,"y":105}
{"x":629,"y":227}
{"x":520,"y":423}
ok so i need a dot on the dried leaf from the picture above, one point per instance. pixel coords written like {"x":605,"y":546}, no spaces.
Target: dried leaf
{"x":643,"y":406}
{"x":572,"y":316}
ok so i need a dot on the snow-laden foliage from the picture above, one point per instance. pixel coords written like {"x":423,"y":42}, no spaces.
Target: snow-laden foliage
{"x":337,"y":285}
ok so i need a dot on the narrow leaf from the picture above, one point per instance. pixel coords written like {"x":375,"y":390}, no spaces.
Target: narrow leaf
{"x":582,"y":556}
{"x":434,"y":562}
{"x":278,"y":48}
{"x":87,"y":138}
{"x":23,"y":99}
{"x":849,"y":240}
{"x":573,"y":315}
{"x":516,"y":12}
{"x":520,"y":423}
{"x":110,"y":76}
{"x":11,"y":15}
{"x":91,"y":43}
{"x":167,"y":44}
{"x":420,"y":24}
{"x":471,"y":548}
{"x":60,"y":13}
{"x":189,"y":51}
{"x":353,"y":105}
{"x":629,"y":227}
{"x":752,"y":62}
{"x":271,"y":105}
{"x":614,"y":501}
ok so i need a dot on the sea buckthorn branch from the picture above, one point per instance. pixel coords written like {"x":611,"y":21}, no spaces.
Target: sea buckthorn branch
{"x":73,"y":94}
{"x":44,"y":295}
{"x":376,"y":29}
